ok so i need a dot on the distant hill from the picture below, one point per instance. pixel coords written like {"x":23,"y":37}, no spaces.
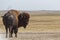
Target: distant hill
{"x":38,"y":12}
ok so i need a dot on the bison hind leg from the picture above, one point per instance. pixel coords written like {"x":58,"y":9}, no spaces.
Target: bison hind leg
{"x":6,"y":32}
{"x":15,"y":31}
{"x":11,"y":32}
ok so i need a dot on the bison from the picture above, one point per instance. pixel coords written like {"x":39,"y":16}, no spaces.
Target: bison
{"x":13,"y":19}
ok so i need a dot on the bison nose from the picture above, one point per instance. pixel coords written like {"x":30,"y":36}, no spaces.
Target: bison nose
{"x":24,"y":27}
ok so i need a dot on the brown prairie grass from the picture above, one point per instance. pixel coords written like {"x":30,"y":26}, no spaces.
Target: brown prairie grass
{"x":39,"y":24}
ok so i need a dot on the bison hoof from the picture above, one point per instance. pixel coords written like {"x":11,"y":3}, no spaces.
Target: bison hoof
{"x":6,"y":36}
{"x":10,"y":36}
{"x":16,"y":36}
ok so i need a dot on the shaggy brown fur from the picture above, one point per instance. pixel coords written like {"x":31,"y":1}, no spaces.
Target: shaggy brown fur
{"x":10,"y":20}
{"x":15,"y":13}
{"x":13,"y":19}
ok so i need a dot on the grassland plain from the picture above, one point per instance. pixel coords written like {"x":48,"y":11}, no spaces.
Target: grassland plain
{"x":39,"y":23}
{"x":40,"y":27}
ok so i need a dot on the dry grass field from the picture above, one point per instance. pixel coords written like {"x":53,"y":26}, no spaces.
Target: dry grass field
{"x":39,"y":28}
{"x":39,"y":24}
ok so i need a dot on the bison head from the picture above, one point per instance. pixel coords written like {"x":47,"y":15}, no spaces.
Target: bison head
{"x":23,"y":19}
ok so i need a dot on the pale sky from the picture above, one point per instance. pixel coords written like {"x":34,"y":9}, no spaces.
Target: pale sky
{"x":30,"y":4}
